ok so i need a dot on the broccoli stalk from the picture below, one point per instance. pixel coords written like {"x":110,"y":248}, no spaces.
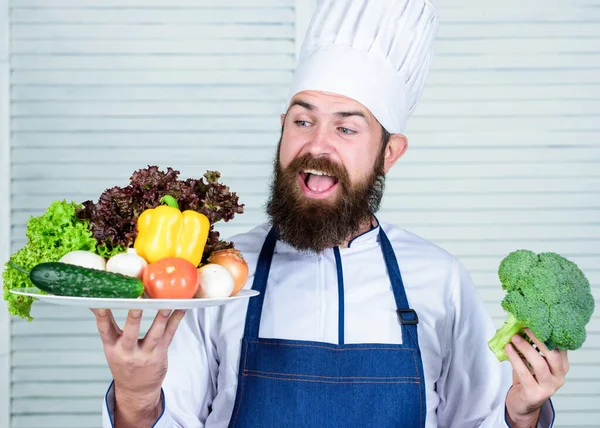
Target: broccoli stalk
{"x":504,"y":335}
{"x":546,"y":293}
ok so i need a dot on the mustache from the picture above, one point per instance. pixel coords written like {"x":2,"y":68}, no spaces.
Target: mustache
{"x":323,"y":164}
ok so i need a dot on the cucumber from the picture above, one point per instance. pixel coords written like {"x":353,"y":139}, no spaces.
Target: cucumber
{"x":62,"y":279}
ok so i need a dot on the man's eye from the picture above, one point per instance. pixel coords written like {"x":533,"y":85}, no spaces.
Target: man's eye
{"x":346,"y":131}
{"x":302,"y":123}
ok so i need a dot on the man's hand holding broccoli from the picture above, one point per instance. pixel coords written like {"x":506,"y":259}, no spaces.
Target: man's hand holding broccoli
{"x":549,"y":304}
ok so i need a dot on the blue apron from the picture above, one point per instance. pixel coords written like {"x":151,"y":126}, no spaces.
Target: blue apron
{"x":293,"y":383}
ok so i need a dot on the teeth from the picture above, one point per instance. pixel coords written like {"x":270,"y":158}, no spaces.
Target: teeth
{"x":314,"y":172}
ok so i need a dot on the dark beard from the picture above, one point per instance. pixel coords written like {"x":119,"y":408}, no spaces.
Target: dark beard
{"x":315,"y":225}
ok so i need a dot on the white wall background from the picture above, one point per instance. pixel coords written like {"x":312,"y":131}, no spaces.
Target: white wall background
{"x":503,"y":148}
{"x":5,"y":219}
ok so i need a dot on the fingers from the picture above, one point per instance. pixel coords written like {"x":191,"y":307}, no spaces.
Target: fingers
{"x":131,"y":332}
{"x":117,"y":328}
{"x":156,"y":331}
{"x":553,"y":358}
{"x":519,"y":367}
{"x":106,"y":326}
{"x":161,"y":331}
{"x":171,"y":327}
{"x":538,"y":363}
{"x":540,"y":345}
{"x":565,"y":361}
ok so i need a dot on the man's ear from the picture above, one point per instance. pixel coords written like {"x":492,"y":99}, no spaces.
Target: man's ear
{"x":396,"y":147}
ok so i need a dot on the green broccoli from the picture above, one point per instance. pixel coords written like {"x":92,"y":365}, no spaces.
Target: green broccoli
{"x":546,"y":293}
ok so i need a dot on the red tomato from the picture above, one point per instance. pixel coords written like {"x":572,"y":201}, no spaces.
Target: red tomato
{"x":171,"y":278}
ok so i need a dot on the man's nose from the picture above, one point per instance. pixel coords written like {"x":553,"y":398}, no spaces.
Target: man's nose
{"x":320,"y":142}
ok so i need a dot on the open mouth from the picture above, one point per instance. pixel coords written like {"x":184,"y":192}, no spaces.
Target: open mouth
{"x":317,"y":184}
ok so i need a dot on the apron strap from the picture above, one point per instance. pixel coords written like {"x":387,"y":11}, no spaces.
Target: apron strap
{"x":261,"y":275}
{"x":407,"y":317}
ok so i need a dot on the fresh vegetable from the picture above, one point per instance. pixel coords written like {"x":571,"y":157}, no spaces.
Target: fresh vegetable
{"x":85,"y":259}
{"x":63,"y":279}
{"x":128,"y":263}
{"x":546,"y":293}
{"x":165,"y":231}
{"x":115,"y":215}
{"x":171,"y":278}
{"x":50,"y":236}
{"x":215,"y":282}
{"x":232,"y":260}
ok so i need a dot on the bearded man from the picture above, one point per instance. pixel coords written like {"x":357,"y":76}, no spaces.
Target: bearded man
{"x":358,"y":323}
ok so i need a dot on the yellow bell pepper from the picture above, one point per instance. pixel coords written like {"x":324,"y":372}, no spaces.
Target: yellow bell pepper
{"x":165,"y":231}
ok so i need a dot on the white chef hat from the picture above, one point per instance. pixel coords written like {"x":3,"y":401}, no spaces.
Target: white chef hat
{"x":376,"y":52}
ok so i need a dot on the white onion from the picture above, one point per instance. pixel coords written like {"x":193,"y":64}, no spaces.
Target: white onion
{"x":85,"y":259}
{"x":128,"y":263}
{"x":215,"y":282}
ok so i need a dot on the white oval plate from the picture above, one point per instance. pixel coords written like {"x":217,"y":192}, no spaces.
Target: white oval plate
{"x":103,"y":303}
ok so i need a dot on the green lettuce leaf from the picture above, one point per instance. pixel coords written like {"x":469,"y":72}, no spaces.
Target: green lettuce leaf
{"x":50,"y":236}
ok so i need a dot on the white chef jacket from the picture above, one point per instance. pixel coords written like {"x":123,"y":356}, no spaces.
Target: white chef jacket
{"x":465,"y":384}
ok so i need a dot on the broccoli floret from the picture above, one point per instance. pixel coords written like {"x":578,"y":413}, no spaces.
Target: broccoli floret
{"x":546,"y":293}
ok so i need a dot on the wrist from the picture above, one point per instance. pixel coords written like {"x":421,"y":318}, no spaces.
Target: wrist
{"x":523,"y":421}
{"x":135,"y":409}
